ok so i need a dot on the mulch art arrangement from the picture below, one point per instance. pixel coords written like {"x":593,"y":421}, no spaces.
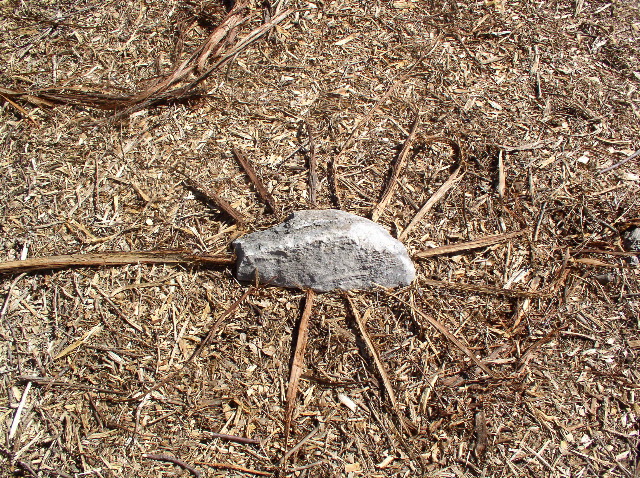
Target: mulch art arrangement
{"x":497,"y":140}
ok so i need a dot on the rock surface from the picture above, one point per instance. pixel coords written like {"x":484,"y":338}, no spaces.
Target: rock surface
{"x":324,"y":250}
{"x":631,"y":239}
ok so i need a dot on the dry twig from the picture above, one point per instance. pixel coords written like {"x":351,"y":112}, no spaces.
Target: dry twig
{"x":297,"y":365}
{"x":452,"y":338}
{"x":226,"y":466}
{"x":617,"y":165}
{"x":467,"y":246}
{"x":298,"y":445}
{"x":265,"y":195}
{"x":110,"y":259}
{"x":173,"y":460}
{"x":211,"y":197}
{"x":373,"y":350}
{"x":439,"y":194}
{"x":203,"y":344}
{"x":392,"y":182}
{"x":333,"y":167}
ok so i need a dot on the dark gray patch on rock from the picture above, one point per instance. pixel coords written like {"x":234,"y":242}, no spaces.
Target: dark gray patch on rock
{"x":324,"y":250}
{"x":631,"y":239}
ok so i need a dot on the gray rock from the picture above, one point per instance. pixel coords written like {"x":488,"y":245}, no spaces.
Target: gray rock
{"x":324,"y":250}
{"x":631,"y":239}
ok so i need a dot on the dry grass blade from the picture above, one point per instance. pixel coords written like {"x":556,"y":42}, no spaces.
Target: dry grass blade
{"x":373,"y":350}
{"x":467,"y":246}
{"x":297,"y":365}
{"x":67,"y":350}
{"x":265,"y":195}
{"x":452,"y":338}
{"x":7,"y":299}
{"x":209,"y":196}
{"x":107,"y":259}
{"x":483,"y":289}
{"x":392,"y":183}
{"x":18,"y":414}
{"x":439,"y":194}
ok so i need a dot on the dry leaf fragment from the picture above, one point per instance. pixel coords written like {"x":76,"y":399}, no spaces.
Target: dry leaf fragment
{"x":352,"y":467}
{"x":345,"y":40}
{"x":386,"y":462}
{"x":96,"y":329}
{"x":347,"y":402}
{"x":343,"y":92}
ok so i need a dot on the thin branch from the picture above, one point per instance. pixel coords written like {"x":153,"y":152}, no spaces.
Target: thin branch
{"x":439,"y":194}
{"x":206,"y":341}
{"x":109,"y":259}
{"x":116,"y":309}
{"x":7,"y":299}
{"x":373,"y":350}
{"x":333,"y":166}
{"x":265,"y":195}
{"x":392,"y":183}
{"x":452,"y":338}
{"x":297,"y":365}
{"x":466,"y":246}
{"x":298,"y":445}
{"x":236,"y":439}
{"x":211,"y":197}
{"x":226,"y":466}
{"x":175,"y":461}
{"x":617,"y":165}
